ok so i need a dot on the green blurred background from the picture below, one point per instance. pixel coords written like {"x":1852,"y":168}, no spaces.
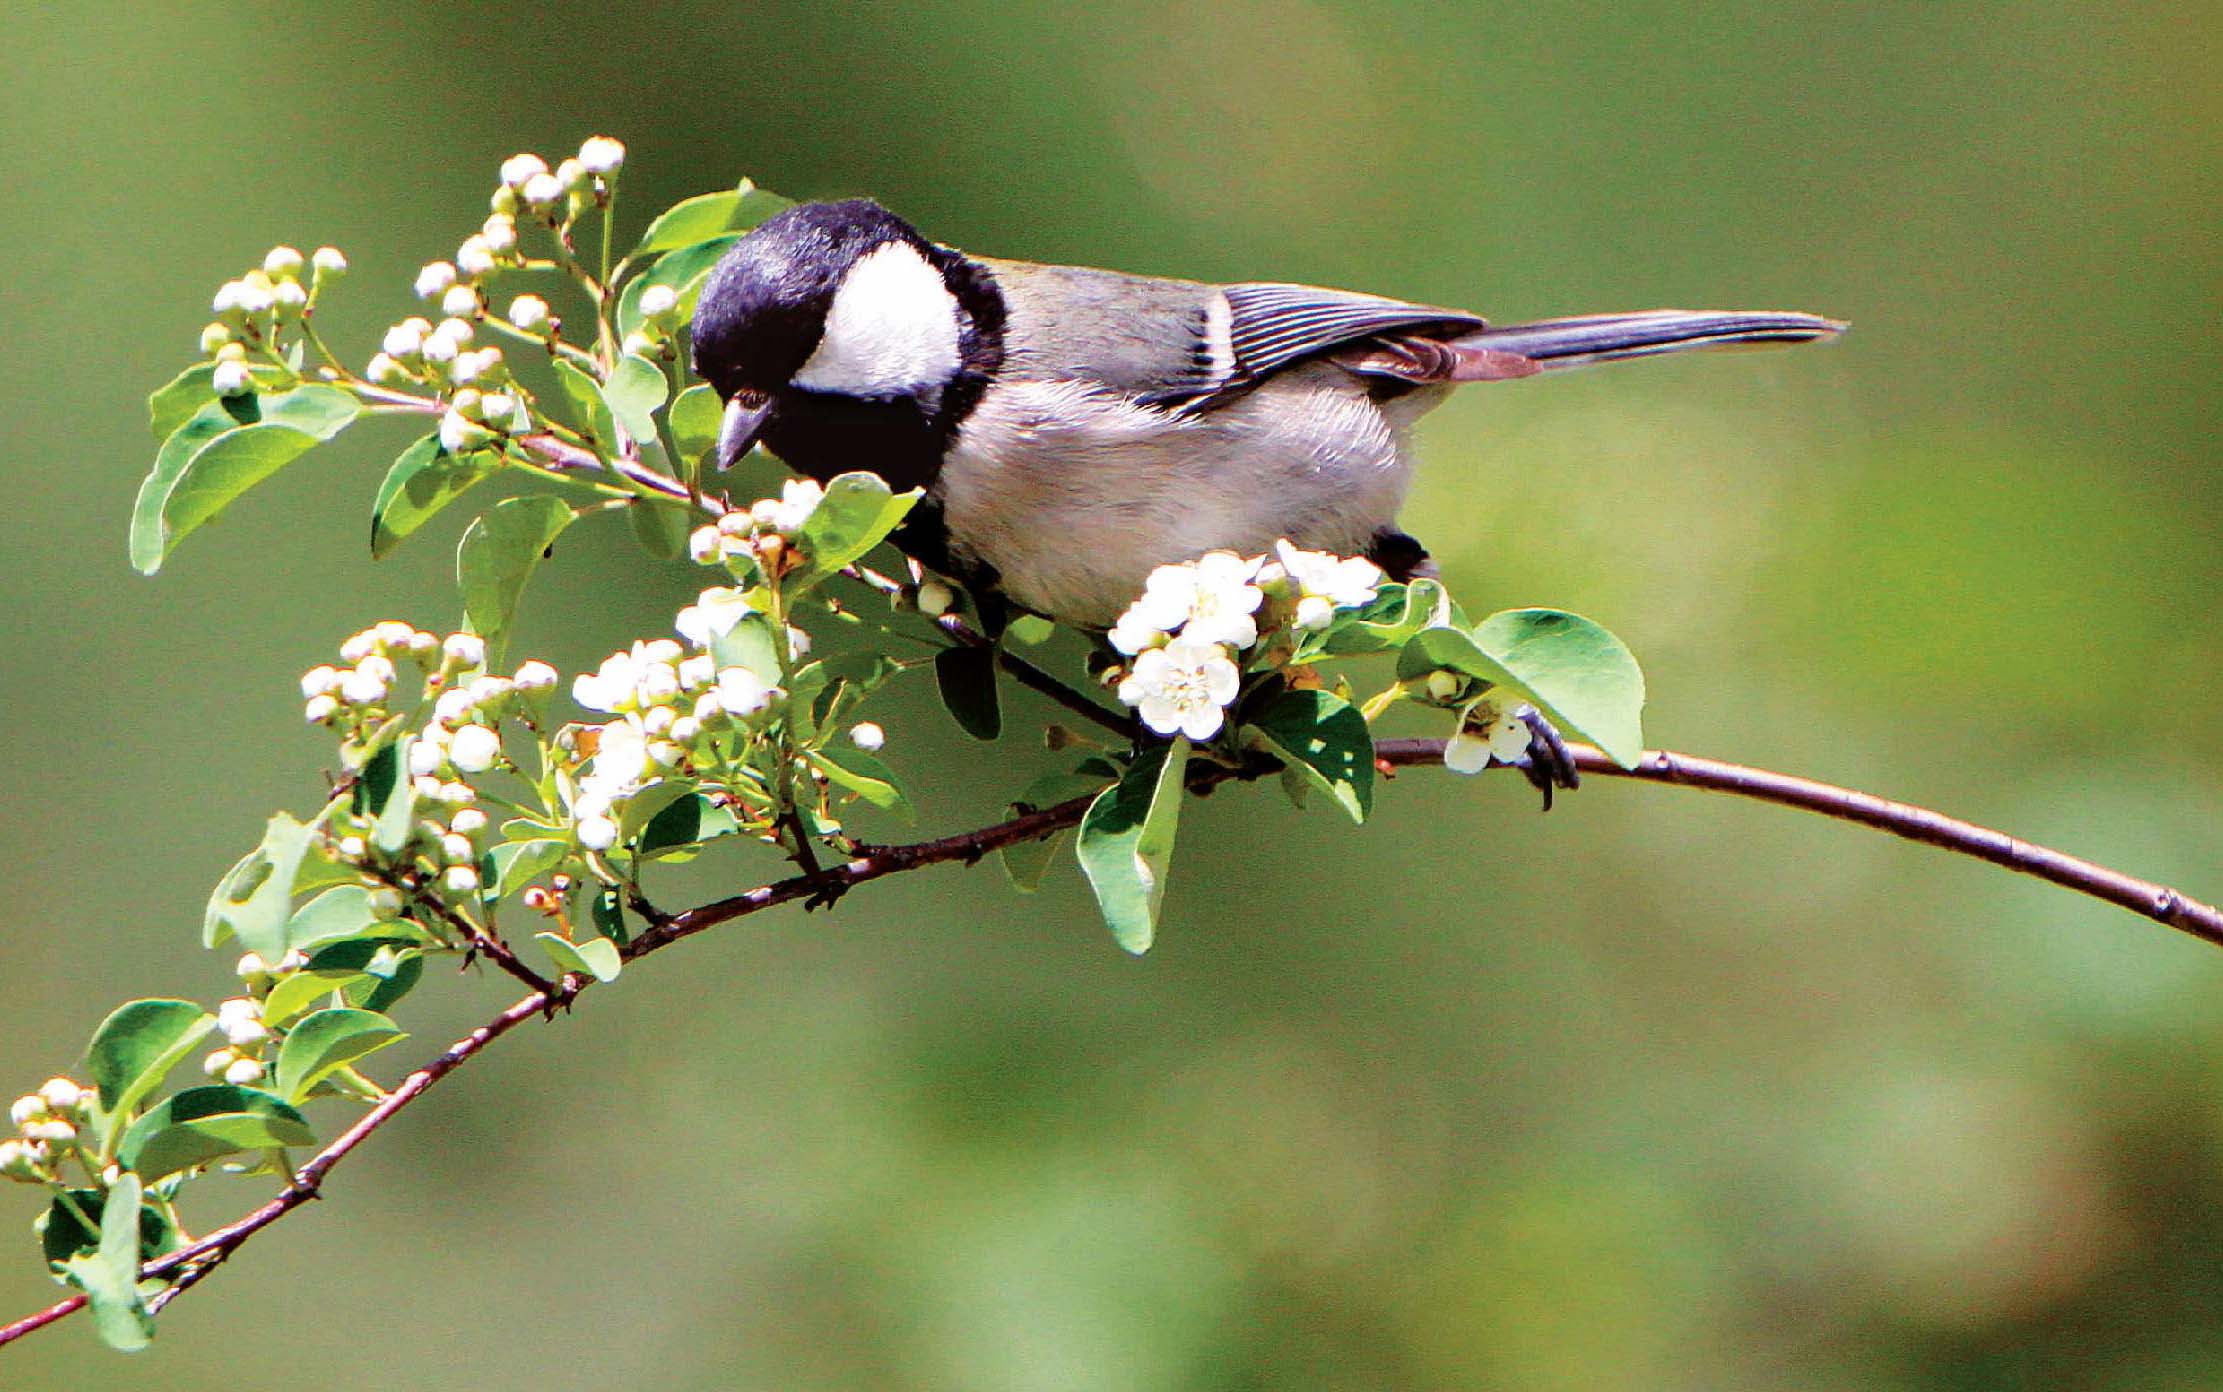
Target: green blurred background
{"x":1661,"y":1091}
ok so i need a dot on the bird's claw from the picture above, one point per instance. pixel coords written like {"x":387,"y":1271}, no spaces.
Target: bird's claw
{"x":1549,"y":765}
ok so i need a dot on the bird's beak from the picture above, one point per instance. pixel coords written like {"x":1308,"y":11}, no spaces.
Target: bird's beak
{"x":746,"y":414}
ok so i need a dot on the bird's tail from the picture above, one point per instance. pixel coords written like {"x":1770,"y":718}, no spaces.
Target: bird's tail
{"x":1592,"y":338}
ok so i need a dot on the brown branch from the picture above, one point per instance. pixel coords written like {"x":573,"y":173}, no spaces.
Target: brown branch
{"x":191,"y":1263}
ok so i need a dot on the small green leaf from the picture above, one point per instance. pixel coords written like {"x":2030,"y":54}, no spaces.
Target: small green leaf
{"x":341,"y":912}
{"x":175,"y":402}
{"x":675,"y":832}
{"x":607,"y":909}
{"x":109,"y":1275}
{"x":386,"y":797}
{"x":695,"y":417}
{"x":1126,"y":843}
{"x":1579,"y":675}
{"x":186,"y":490}
{"x":865,"y":776}
{"x":203,"y":1124}
{"x":517,"y":864}
{"x":857,"y":513}
{"x":1325,"y":739}
{"x":596,"y":957}
{"x":707,"y":215}
{"x":643,"y":807}
{"x":966,"y":678}
{"x":750,"y":643}
{"x":1397,"y":613}
{"x":660,"y":527}
{"x":1030,"y":629}
{"x":61,"y":1236}
{"x":135,"y":1048}
{"x":259,"y":915}
{"x":635,"y":389}
{"x":300,"y":990}
{"x":499,"y":554}
{"x":586,"y":398}
{"x":1025,"y":862}
{"x":683,"y":270}
{"x":326,"y":1042}
{"x":423,"y":481}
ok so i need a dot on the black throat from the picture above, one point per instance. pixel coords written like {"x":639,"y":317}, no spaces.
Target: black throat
{"x":902,"y":439}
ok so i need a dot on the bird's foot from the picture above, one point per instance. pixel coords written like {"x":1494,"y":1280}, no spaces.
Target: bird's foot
{"x":1548,"y":765}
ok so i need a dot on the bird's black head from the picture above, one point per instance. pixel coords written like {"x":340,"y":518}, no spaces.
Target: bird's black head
{"x":842,"y":312}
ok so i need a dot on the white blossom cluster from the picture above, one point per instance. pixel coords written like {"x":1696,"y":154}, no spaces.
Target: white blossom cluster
{"x":241,"y":1058}
{"x":759,"y":532}
{"x":1195,"y":619}
{"x":46,"y":1123}
{"x":674,"y":711}
{"x":254,"y":310}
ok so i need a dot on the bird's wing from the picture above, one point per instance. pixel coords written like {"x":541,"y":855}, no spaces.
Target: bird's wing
{"x":1252,"y":329}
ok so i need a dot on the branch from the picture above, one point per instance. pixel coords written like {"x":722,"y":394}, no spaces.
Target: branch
{"x":189,"y":1264}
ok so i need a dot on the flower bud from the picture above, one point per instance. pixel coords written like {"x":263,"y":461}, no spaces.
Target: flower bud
{"x":329,"y":262}
{"x":252,"y":969}
{"x":597,"y":833}
{"x":468,"y":822}
{"x":435,"y":280}
{"x":385,"y":902}
{"x":935,"y":598}
{"x":240,"y":1019}
{"x":475,"y":749}
{"x":464,"y":649}
{"x":658,"y":301}
{"x":461,"y":330}
{"x":459,"y":300}
{"x":53,"y":1130}
{"x":499,"y":232}
{"x":384,"y":371}
{"x":460,"y":435}
{"x":475,"y":257}
{"x":573,"y":176}
{"x":456,"y":848}
{"x":362,"y":688}
{"x":1444,"y":686}
{"x":504,"y":201}
{"x":528,"y":312}
{"x":21,"y":1161}
{"x":351,"y":848}
{"x":518,"y":168}
{"x":290,"y":297}
{"x":538,"y":899}
{"x":403,"y":340}
{"x":231,"y":379}
{"x":686,"y":729}
{"x":319,"y":680}
{"x":868,"y":736}
{"x":27,"y":1109}
{"x":639,"y":345}
{"x":455,"y":795}
{"x":601,"y":155}
{"x":215,"y":1064}
{"x":213,"y":337}
{"x":460,"y":879}
{"x":703,"y":545}
{"x":535,"y":676}
{"x":541,"y":189}
{"x":62,"y":1094}
{"x":318,"y":709}
{"x":244,"y":1072}
{"x":283,"y":262}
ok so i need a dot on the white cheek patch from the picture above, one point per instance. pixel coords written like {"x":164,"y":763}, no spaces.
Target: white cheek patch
{"x":892,"y":329}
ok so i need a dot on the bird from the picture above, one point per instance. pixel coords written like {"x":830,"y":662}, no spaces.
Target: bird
{"x":1072,"y":429}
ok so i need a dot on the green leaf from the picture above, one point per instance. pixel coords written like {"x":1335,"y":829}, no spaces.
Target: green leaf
{"x":109,"y":1275}
{"x":857,"y":513}
{"x":186,"y":490}
{"x":386,"y":797}
{"x":1026,"y":862}
{"x":341,"y":912}
{"x":499,"y":554}
{"x":1126,"y":843}
{"x":586,"y":398}
{"x":175,"y":402}
{"x":635,"y":389}
{"x":1397,"y":613}
{"x":966,"y":678}
{"x":750,"y":643}
{"x":865,"y":776}
{"x":372,"y":973}
{"x":61,"y":1236}
{"x":203,"y":1124}
{"x":326,"y":1042}
{"x":707,"y":215}
{"x":517,"y":864}
{"x":256,"y":905}
{"x":134,"y":1050}
{"x":643,"y":807}
{"x":695,"y":417}
{"x":1325,"y":739}
{"x":1030,"y":629}
{"x":660,"y":527}
{"x":596,"y":957}
{"x":1579,"y":675}
{"x":178,"y":448}
{"x":684,"y":269}
{"x":684,"y":825}
{"x":300,"y":990}
{"x":424,"y":480}
{"x":607,"y":909}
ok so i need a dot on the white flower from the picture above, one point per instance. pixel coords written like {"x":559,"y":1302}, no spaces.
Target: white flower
{"x":518,"y":168}
{"x":241,"y":1021}
{"x":454,"y":794}
{"x":1465,"y":752}
{"x":1182,"y":688}
{"x":439,"y":347}
{"x":867,"y":736}
{"x":528,"y":312}
{"x":1344,"y":583}
{"x":227,"y":297}
{"x":707,"y":708}
{"x":601,"y":155}
{"x":391,"y":633}
{"x":459,"y":879}
{"x":219,"y":1060}
{"x":1491,"y":731}
{"x":1212,"y":599}
{"x":620,"y":764}
{"x":318,"y":680}
{"x":609,"y":688}
{"x":459,"y":300}
{"x":435,"y":279}
{"x":250,"y":966}
{"x":572,"y":175}
{"x":639,"y":345}
{"x":541,"y":189}
{"x":475,"y":257}
{"x":713,"y":615}
{"x":244,"y":1071}
{"x":657,"y":719}
{"x":231,"y":379}
{"x":535,"y":676}
{"x":430,"y":752}
{"x":329,"y":261}
{"x":658,"y":301}
{"x":741,"y":692}
{"x":475,"y":749}
{"x":353,"y":848}
{"x":319,"y":709}
{"x":1313,"y":612}
{"x":1135,"y":632}
{"x":597,"y":833}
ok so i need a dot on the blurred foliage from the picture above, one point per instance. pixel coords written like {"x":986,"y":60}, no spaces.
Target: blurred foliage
{"x":1655,"y":1092}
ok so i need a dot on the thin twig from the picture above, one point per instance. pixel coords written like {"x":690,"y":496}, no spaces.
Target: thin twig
{"x":190,"y":1264}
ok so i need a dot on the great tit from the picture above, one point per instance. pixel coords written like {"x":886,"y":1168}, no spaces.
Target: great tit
{"x":1076,"y":428}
